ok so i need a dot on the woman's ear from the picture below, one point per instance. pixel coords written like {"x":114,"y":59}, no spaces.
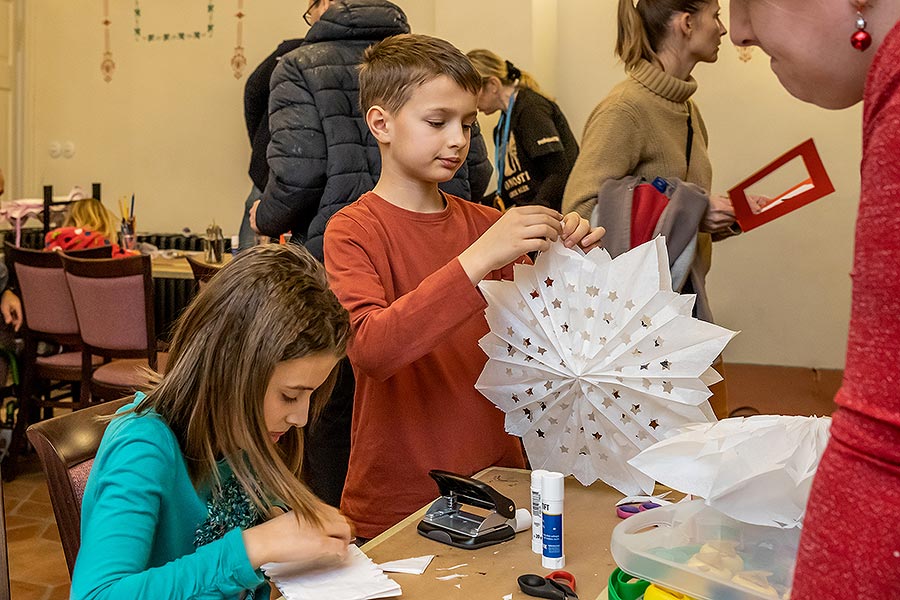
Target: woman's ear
{"x":379,"y":122}
{"x":683,"y":23}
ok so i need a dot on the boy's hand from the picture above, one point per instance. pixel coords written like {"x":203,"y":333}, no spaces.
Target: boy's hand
{"x":576,"y":230}
{"x":520,"y":230}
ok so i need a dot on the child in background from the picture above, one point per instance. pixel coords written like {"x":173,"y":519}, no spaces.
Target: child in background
{"x":184,"y":497}
{"x":88,"y":225}
{"x":405,"y":259}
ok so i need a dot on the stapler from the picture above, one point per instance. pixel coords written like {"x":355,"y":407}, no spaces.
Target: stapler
{"x":448,"y":523}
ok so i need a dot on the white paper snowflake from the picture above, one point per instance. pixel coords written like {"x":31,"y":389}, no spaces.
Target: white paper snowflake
{"x":592,"y":359}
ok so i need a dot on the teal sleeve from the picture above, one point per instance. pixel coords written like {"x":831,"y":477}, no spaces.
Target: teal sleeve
{"x":135,"y":478}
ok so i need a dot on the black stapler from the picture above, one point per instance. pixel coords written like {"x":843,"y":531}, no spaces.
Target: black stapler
{"x":447,"y":522}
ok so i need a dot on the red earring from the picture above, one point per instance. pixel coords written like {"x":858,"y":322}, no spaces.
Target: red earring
{"x":860,"y":39}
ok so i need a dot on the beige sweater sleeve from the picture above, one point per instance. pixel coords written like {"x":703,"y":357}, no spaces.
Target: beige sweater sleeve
{"x":610,"y":149}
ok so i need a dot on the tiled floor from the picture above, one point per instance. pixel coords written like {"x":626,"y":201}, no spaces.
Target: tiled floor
{"x":37,"y":565}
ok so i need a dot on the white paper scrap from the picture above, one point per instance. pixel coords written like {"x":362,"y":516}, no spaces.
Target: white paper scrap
{"x":449,"y":577}
{"x":357,"y":578}
{"x":411,"y":566}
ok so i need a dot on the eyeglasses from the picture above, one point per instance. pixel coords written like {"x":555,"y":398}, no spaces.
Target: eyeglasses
{"x":309,"y":10}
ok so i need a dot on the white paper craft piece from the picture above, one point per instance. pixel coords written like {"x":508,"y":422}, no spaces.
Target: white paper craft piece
{"x":756,"y":469}
{"x":593,"y":359}
{"x":411,"y":566}
{"x":357,"y":578}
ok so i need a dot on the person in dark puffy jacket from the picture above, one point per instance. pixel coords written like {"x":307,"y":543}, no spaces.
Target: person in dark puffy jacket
{"x":321,"y":155}
{"x":321,"y":158}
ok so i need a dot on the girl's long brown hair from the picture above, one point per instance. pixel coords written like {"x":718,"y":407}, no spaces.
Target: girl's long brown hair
{"x":270,"y":304}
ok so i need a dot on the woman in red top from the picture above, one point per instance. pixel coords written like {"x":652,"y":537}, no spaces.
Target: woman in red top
{"x":835,"y":53}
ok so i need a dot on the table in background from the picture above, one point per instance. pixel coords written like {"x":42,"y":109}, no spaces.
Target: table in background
{"x":173,"y":290}
{"x":491,"y":572}
{"x":179,"y":268}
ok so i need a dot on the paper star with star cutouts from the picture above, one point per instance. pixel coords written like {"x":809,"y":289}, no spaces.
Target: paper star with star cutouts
{"x":594,"y":359}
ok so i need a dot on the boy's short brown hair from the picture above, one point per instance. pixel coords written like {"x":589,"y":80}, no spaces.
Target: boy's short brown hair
{"x":394,"y":67}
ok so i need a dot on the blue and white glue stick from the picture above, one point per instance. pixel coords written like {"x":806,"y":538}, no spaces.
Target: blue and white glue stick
{"x":552,"y":497}
{"x":536,"y":534}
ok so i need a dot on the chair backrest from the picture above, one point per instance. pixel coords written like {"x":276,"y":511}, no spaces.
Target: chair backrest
{"x":113,"y":302}
{"x":4,"y":551}
{"x":202,"y":271}
{"x":66,"y":446}
{"x":96,"y":252}
{"x":47,"y":305}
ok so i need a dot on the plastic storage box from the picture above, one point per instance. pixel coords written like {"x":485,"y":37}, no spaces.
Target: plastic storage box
{"x":694,"y":549}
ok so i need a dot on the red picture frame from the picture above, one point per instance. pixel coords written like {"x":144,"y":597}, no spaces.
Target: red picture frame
{"x":816,"y":186}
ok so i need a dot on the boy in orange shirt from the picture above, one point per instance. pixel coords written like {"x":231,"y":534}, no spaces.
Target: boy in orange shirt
{"x":405,"y":260}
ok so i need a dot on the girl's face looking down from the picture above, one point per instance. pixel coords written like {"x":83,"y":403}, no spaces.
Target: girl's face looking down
{"x":286,"y":403}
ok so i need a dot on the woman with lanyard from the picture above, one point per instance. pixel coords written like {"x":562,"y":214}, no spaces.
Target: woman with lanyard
{"x":648,"y":127}
{"x":534,"y":149}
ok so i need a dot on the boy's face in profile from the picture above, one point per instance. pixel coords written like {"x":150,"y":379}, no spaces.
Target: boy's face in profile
{"x":429,"y":136}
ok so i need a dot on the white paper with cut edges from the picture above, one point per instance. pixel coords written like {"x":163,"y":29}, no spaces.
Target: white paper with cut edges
{"x":593,"y":359}
{"x":755,"y":469}
{"x":356,"y":578}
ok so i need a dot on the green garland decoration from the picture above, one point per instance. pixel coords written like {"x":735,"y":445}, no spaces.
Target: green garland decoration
{"x":177,"y":36}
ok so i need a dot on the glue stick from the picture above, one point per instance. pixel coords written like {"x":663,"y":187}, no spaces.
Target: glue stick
{"x":536,"y":535}
{"x":552,"y":494}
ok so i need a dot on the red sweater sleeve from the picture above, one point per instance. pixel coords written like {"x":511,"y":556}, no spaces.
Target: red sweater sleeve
{"x":390,"y":335}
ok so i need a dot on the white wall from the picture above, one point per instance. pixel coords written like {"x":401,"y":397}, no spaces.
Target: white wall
{"x":169,"y":128}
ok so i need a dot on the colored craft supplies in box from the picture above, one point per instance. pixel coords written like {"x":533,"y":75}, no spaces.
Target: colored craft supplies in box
{"x":694,"y":549}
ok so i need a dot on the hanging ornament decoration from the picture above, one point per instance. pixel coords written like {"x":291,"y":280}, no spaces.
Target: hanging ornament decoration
{"x":107,"y":65}
{"x":594,"y":359}
{"x":173,"y":36}
{"x":238,"y":60}
{"x":745,"y":53}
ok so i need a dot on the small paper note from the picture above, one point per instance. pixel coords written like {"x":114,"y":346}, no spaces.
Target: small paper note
{"x":412,"y":566}
{"x":357,"y":578}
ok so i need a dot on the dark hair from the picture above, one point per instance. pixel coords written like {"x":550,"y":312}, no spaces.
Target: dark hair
{"x":643,"y":25}
{"x":394,"y":67}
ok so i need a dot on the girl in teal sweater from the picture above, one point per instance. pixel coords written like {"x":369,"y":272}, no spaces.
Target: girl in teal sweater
{"x":187,"y":492}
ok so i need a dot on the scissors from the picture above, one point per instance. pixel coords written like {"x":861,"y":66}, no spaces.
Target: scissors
{"x":558,"y":585}
{"x":629,"y":510}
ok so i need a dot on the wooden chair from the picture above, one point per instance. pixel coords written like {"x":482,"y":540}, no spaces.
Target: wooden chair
{"x":66,"y":446}
{"x":113,"y":302}
{"x":49,"y":316}
{"x":202,"y":271}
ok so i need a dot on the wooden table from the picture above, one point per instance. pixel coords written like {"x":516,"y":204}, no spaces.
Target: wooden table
{"x":491,"y":572}
{"x":179,"y":268}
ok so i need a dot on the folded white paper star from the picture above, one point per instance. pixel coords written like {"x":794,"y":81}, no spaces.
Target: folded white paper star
{"x":592,"y":359}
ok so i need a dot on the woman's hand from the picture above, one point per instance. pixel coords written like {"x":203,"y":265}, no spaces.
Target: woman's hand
{"x":286,"y":538}
{"x":719,"y":215}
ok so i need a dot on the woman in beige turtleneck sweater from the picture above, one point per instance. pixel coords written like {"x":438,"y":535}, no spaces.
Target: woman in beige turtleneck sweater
{"x":641,"y":127}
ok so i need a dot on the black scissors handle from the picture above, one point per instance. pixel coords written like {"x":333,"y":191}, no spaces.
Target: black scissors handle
{"x":541,"y":587}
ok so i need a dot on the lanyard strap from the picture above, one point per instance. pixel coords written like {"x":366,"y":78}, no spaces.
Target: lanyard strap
{"x":501,"y":142}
